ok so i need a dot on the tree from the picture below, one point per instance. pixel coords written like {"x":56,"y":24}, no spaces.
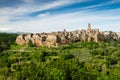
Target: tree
{"x":31,"y":44}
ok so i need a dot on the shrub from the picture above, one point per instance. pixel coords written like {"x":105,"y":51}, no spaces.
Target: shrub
{"x":30,"y":43}
{"x":67,"y":56}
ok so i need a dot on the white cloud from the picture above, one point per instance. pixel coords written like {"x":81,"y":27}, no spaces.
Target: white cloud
{"x":105,"y":20}
{"x":44,"y":14}
{"x":4,"y":19}
{"x":71,"y":21}
{"x":3,"y":29}
{"x":28,"y":1}
{"x":24,"y":9}
{"x":19,"y":11}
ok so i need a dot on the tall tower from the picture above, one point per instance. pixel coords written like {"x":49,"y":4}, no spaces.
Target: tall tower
{"x":89,"y":27}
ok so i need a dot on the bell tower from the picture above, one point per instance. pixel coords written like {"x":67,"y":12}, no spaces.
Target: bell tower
{"x":89,"y":27}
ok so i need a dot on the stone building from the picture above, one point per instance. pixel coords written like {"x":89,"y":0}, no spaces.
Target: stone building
{"x":55,"y":39}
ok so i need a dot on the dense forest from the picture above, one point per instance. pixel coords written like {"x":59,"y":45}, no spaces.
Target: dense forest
{"x":75,"y":61}
{"x":6,"y":39}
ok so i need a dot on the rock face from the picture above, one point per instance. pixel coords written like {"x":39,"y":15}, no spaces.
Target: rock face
{"x":64,"y":37}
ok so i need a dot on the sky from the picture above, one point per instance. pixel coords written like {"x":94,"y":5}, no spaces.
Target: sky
{"x":38,"y":16}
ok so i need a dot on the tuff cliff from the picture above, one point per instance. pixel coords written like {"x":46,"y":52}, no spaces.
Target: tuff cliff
{"x":55,"y":39}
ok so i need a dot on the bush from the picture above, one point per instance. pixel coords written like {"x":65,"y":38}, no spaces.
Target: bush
{"x":66,"y":56}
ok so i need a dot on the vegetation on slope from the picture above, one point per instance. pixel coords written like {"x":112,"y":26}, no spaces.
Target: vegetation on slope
{"x":6,"y":40}
{"x":75,"y":61}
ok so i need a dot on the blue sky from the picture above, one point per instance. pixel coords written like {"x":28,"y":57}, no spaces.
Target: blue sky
{"x":55,"y":15}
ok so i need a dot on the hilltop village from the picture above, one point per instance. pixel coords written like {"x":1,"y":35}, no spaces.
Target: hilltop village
{"x":55,"y":39}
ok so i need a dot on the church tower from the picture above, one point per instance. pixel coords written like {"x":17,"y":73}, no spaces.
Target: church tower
{"x":89,"y":27}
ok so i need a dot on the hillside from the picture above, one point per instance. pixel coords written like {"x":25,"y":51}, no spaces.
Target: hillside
{"x":75,"y":61}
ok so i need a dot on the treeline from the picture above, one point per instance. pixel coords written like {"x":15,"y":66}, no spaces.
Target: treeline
{"x":6,"y":39}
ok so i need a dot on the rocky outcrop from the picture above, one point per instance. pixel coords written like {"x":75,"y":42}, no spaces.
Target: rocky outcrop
{"x":64,"y":37}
